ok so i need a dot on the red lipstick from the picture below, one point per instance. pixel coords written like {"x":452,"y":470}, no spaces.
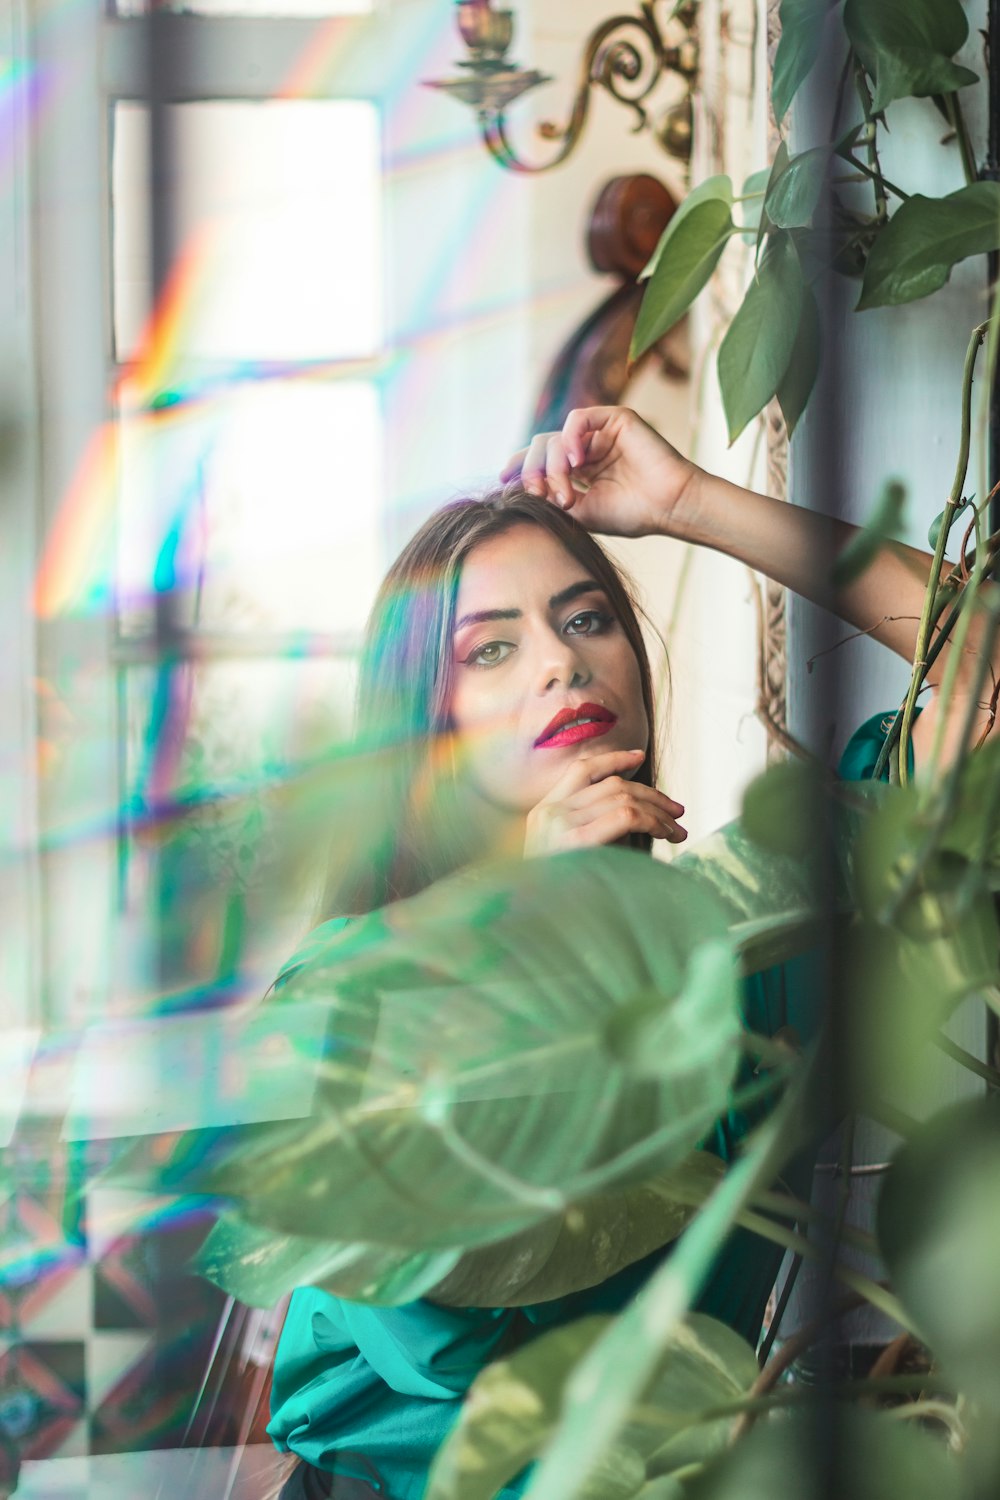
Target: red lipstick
{"x":571,"y":725}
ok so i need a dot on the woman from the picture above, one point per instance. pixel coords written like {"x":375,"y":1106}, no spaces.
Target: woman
{"x":505,"y":662}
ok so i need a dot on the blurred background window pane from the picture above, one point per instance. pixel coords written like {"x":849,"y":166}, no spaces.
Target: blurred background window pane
{"x":257,"y":508}
{"x":278,"y":9}
{"x":274,"y":206}
{"x":244,"y":753}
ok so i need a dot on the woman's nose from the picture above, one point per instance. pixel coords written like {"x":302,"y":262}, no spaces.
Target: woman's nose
{"x":562,"y":666}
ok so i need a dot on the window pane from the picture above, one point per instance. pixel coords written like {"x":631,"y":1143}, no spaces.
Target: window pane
{"x":228,"y":884}
{"x":281,"y":9}
{"x":257,"y":508}
{"x":275,"y":208}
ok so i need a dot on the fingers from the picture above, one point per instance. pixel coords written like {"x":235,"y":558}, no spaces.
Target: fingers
{"x":629,"y":808}
{"x":545,"y":470}
{"x":512,"y":467}
{"x":594,"y":804}
{"x":585,"y":770}
{"x":545,"y":466}
{"x":617,"y":821}
{"x":586,"y":801}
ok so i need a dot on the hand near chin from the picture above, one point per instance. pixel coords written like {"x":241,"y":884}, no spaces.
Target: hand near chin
{"x":612,"y":471}
{"x":594,"y":803}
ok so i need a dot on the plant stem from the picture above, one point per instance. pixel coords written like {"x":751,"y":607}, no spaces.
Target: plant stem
{"x":866,"y":1288}
{"x":947,"y":519}
{"x":937,"y":646}
{"x":896,"y":192}
{"x":953,"y":109}
{"x":967,"y":1060}
{"x":949,"y":792}
{"x":785,"y":1357}
{"x":864,"y":94}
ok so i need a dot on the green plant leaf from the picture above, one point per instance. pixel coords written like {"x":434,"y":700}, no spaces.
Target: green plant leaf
{"x":939,"y":1228}
{"x":469,"y":1090}
{"x":594,"y":1239}
{"x":792,"y":197}
{"x":780,"y":808}
{"x":751,"y":203}
{"x":772,"y":899}
{"x":899,"y":990}
{"x":717,"y":189}
{"x":683,"y":261}
{"x":617,"y":1370}
{"x":973,"y":830}
{"x":798,"y":49}
{"x":757,"y":348}
{"x":510,"y":1411}
{"x":258,"y":1266}
{"x":778,"y":165}
{"x":907,"y":46}
{"x":874,"y":1456}
{"x":803,"y":367}
{"x":514,"y":1406}
{"x":882,"y":526}
{"x":914,"y":253}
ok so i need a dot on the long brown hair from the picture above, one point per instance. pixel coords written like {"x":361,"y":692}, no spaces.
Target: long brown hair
{"x":404,"y":688}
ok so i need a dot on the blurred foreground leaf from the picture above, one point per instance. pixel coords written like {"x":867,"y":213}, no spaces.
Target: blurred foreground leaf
{"x":470,"y":1089}
{"x":567,"y":1253}
{"x":875,"y":1456}
{"x":939,"y":1231}
{"x":882,"y":526}
{"x":513,"y":1408}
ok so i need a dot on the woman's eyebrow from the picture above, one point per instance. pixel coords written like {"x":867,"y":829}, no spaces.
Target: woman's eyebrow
{"x":564,"y":596}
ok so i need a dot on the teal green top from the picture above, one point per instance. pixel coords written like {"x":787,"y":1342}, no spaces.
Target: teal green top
{"x":358,"y":1387}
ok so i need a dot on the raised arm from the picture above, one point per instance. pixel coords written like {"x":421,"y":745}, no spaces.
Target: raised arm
{"x":620,"y":477}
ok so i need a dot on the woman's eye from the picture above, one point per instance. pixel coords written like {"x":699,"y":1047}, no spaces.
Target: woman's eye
{"x":589,"y":622}
{"x":489,"y":655}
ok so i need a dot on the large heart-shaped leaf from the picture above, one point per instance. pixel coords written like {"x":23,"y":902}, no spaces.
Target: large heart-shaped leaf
{"x":471,"y":1085}
{"x":590,"y":1241}
{"x":258,"y":1266}
{"x":513,"y":1408}
{"x":683,"y":261}
{"x":907,"y":46}
{"x":798,"y":49}
{"x":914,"y":253}
{"x":757,"y":348}
{"x":939,"y":1228}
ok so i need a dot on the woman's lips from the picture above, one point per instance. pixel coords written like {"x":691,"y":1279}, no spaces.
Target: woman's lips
{"x":572,"y":725}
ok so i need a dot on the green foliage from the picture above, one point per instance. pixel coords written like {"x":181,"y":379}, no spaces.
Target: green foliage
{"x":780,"y":809}
{"x":907,"y":46}
{"x":925,"y":237}
{"x":939,"y":1228}
{"x":792,"y":197}
{"x":473,"y":1089}
{"x":796,"y":385}
{"x":687,"y":254}
{"x":804,"y":228}
{"x":801,"y":36}
{"x":883,"y":525}
{"x":757,"y":349}
{"x":873,"y":1456}
{"x":514,"y":1407}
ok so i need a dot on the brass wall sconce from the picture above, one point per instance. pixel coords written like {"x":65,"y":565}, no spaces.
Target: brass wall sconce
{"x":626,"y":55}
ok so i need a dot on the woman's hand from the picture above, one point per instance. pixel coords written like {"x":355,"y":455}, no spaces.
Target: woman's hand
{"x":613,"y":472}
{"x":594,"y":803}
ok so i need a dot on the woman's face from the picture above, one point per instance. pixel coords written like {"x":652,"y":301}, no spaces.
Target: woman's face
{"x":542,"y":670}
